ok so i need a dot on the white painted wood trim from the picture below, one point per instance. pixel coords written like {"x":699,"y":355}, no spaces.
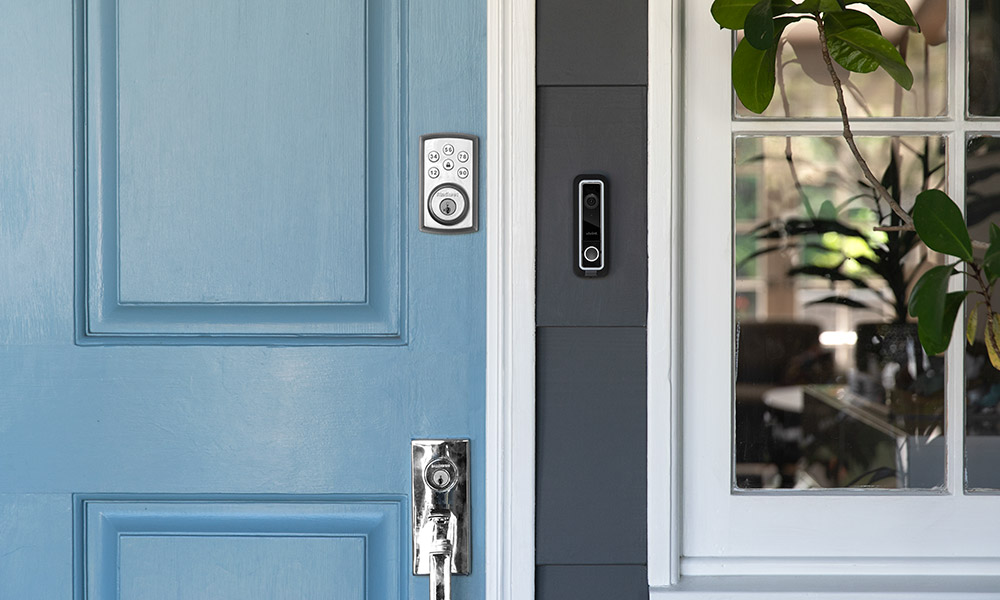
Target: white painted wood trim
{"x":510,"y":336}
{"x":663,"y":326}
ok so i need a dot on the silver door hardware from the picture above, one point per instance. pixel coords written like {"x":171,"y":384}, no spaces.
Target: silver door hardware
{"x":449,"y":183}
{"x":590,"y":204}
{"x":441,"y":525}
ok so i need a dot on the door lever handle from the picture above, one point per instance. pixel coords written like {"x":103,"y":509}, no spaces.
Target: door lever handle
{"x":441,"y":549}
{"x":441,"y":536}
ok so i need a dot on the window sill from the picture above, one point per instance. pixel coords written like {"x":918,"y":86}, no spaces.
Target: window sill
{"x":868,"y":587}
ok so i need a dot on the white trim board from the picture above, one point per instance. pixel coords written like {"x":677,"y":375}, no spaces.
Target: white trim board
{"x":663,"y":326}
{"x":510,"y":291}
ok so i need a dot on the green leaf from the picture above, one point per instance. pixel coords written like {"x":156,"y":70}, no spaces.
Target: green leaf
{"x":991,"y":263}
{"x":857,"y":49}
{"x":972,"y":325}
{"x":732,"y":14}
{"x":940,"y":224}
{"x":935,"y":334}
{"x":760,"y":25}
{"x":815,"y":6}
{"x":993,"y":340}
{"x":753,"y":75}
{"x":927,"y":297}
{"x":841,"y":300}
{"x":897,"y":11}
{"x":827,"y":211}
{"x":842,"y":20}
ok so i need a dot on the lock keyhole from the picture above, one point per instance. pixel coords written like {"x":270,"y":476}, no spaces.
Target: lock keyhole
{"x":441,"y":474}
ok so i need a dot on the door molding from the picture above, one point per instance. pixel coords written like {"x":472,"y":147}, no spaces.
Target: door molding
{"x":663,"y":337}
{"x":510,"y":292}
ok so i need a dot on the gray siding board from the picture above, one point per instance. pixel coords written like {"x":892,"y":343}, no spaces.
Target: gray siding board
{"x":591,"y":42}
{"x":591,"y":449}
{"x":590,"y":582}
{"x":591,"y":130}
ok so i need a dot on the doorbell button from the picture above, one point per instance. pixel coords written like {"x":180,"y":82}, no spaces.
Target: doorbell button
{"x":591,"y":254}
{"x":448,"y":204}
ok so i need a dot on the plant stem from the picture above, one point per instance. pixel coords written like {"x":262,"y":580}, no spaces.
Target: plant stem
{"x":849,"y":135}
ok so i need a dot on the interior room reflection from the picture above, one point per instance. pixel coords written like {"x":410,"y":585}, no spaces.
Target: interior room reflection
{"x":982,"y":382}
{"x":832,"y":388}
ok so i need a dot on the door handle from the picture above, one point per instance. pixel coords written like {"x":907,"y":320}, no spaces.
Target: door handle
{"x":440,"y":471}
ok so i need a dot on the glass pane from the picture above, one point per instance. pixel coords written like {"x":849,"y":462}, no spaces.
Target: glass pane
{"x":832,"y":388}
{"x":984,"y":57}
{"x":866,"y":94}
{"x":982,"y":381}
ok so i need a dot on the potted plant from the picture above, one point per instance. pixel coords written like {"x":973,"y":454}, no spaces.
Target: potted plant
{"x":853,"y":40}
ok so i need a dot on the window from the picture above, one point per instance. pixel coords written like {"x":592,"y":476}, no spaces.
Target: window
{"x":809,"y":440}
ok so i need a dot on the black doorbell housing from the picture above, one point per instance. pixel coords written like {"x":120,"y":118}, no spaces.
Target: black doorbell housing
{"x":590,"y":221}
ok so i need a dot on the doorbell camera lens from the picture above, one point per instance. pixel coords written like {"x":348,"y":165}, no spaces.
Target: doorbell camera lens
{"x":590,"y":200}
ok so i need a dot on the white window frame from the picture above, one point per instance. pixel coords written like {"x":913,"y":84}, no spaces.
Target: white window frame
{"x":704,"y":541}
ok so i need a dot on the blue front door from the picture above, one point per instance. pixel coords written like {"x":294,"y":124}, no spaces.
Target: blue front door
{"x":220,"y":326}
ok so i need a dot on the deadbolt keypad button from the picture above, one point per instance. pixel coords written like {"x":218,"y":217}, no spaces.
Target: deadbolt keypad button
{"x":448,"y":149}
{"x":463,"y":172}
{"x":433,"y":172}
{"x":448,"y":204}
{"x":448,"y":164}
{"x":463,"y":156}
{"x":433,"y":156}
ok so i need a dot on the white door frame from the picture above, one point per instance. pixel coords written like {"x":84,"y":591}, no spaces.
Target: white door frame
{"x":510,"y":292}
{"x":663,"y":327}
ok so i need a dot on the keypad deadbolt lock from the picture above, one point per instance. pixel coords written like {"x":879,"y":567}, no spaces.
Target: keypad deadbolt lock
{"x":449,"y":183}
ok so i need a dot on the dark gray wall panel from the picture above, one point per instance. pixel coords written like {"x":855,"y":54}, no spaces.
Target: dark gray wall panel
{"x":591,"y":42}
{"x":591,"y":448}
{"x":591,"y":130}
{"x":589,"y":582}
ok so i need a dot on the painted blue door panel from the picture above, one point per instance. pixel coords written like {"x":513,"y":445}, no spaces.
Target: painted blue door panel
{"x":291,"y":86}
{"x":273,"y":132}
{"x":219,"y":326}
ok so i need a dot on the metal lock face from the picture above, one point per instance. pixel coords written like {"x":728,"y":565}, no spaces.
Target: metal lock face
{"x":449,"y":183}
{"x":440,"y":475}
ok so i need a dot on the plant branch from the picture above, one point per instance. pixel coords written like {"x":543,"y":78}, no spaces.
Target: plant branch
{"x":849,"y":135}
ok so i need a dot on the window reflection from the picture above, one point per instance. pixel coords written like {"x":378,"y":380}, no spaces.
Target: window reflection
{"x":982,"y":381}
{"x":832,"y":388}
{"x":869,"y":94}
{"x":984,"y":57}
